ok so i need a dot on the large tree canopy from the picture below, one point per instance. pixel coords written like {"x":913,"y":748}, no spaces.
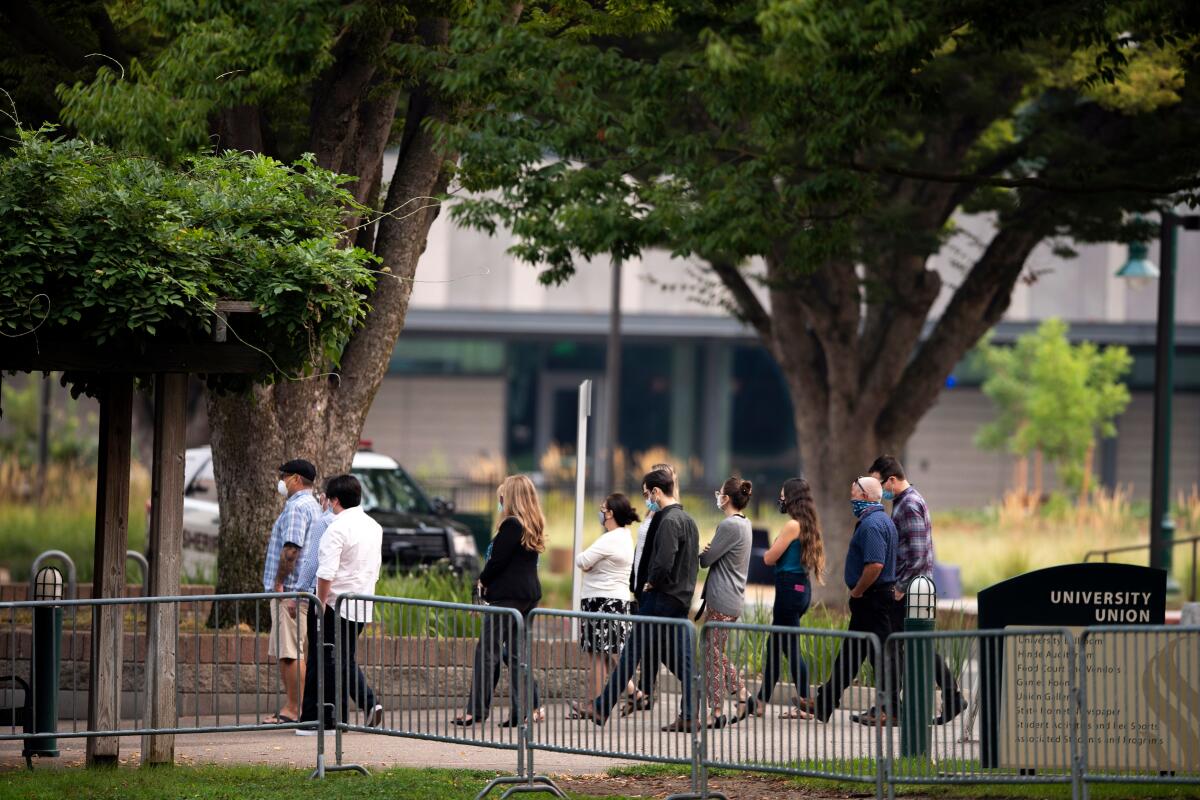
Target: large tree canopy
{"x":344,"y":80}
{"x":814,"y":156}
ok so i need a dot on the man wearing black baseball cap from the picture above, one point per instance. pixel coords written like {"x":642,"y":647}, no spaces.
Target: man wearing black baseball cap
{"x":288,"y":537}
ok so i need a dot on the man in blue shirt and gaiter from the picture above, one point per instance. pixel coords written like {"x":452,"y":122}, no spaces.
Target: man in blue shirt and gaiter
{"x":870,"y":575}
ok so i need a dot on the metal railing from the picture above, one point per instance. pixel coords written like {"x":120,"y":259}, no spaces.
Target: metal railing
{"x":792,"y":719}
{"x":988,"y":706}
{"x":432,"y":670}
{"x":1117,"y":704}
{"x":1193,"y":541}
{"x":1139,"y":704}
{"x":222,"y":681}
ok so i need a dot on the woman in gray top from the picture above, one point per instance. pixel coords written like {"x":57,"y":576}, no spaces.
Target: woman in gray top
{"x":728,"y":560}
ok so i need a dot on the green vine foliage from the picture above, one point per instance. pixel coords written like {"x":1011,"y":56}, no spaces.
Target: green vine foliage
{"x":118,"y":250}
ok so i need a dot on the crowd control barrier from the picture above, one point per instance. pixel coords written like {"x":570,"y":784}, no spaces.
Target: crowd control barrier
{"x":1111,"y":704}
{"x":991,"y":706}
{"x":161,"y":670}
{"x":447,"y":672}
{"x":781,"y":672}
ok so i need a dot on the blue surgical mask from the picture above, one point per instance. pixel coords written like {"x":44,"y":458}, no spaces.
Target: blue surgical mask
{"x":601,"y":515}
{"x":651,"y":506}
{"x":500,"y":508}
{"x":860,"y":506}
{"x":887,"y":495}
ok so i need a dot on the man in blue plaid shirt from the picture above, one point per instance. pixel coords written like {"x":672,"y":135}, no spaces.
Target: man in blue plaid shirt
{"x":914,"y":556}
{"x":288,"y":537}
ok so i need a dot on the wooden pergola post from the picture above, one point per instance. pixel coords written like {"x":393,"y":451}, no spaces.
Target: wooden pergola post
{"x":164,"y":552}
{"x":112,"y":537}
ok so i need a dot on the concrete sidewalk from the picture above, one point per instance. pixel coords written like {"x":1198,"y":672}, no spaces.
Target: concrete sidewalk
{"x":765,"y":740}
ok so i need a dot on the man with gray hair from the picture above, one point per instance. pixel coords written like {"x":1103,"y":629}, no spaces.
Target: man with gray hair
{"x":870,"y":574}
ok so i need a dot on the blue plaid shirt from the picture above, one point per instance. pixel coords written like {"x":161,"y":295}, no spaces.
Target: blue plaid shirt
{"x":299,"y":513}
{"x":306,"y":573}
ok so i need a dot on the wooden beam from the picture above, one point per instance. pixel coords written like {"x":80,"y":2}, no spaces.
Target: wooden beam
{"x":26,"y":355}
{"x":112,"y":536}
{"x":165,"y":552}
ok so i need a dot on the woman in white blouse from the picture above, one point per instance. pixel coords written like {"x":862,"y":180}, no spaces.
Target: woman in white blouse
{"x":605,"y":588}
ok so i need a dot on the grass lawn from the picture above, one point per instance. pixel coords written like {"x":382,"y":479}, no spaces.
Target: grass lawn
{"x":239,"y":783}
{"x":274,"y":783}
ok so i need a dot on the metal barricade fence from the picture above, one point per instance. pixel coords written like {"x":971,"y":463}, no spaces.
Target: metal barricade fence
{"x":224,"y":679}
{"x":1139,"y":705}
{"x":987,"y":706}
{"x":614,"y":685}
{"x":771,"y":685}
{"x":426,"y":669}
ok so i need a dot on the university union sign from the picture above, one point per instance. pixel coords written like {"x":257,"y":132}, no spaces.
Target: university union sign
{"x":1142,"y":688}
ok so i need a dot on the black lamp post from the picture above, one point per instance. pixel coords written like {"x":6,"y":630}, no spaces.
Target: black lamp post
{"x":1140,"y":270}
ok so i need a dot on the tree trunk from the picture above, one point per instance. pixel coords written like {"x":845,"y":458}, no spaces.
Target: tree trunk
{"x":247,"y":448}
{"x":321,"y":418}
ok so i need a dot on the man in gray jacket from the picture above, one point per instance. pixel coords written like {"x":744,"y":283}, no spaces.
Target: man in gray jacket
{"x":670,"y":561}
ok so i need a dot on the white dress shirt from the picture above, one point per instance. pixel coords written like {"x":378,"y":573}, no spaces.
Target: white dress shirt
{"x":350,"y":558}
{"x":608,"y":562}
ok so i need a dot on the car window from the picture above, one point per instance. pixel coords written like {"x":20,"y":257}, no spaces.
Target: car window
{"x":390,"y":490}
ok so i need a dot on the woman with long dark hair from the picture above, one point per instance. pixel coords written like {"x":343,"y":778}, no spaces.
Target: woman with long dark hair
{"x":509,"y":580}
{"x":798,"y":555}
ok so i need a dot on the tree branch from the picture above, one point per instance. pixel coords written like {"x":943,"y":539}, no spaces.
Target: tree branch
{"x":1042,"y":184}
{"x":751,"y":308}
{"x":977,"y":305}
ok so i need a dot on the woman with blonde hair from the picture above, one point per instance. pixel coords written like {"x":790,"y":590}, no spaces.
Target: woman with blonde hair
{"x":509,"y":580}
{"x":798,"y":555}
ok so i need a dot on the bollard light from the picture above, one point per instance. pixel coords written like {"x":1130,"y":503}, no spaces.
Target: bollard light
{"x":920,"y":609}
{"x":48,"y":585}
{"x":920,"y":600}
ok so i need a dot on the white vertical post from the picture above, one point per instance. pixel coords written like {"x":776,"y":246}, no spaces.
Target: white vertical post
{"x":585,"y":411}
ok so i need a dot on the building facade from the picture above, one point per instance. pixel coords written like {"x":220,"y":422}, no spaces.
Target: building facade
{"x":488,"y":367}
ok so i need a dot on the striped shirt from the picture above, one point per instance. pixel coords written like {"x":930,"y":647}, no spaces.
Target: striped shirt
{"x":299,"y":512}
{"x":914,"y":528}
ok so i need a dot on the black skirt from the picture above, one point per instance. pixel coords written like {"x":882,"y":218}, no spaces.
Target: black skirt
{"x":603,"y":635}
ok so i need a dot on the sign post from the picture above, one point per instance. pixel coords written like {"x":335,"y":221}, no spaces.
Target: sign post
{"x":585,"y":411}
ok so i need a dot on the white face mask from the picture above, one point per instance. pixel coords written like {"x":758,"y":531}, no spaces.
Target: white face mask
{"x":281,"y":487}
{"x":720,"y":502}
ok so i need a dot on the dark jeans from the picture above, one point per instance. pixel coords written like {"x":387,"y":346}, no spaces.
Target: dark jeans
{"x":498,"y":643}
{"x":793,"y":594}
{"x":895,"y":658}
{"x":359,"y":689}
{"x":362,"y":693}
{"x":871,"y":613}
{"x":649,"y":645}
{"x":648,"y":674}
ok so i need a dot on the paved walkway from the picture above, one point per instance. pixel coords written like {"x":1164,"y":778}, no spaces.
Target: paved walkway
{"x":768,"y":739}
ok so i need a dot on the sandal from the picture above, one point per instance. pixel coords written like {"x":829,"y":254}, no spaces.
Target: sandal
{"x":718,"y":722}
{"x":465,"y":721}
{"x":581,"y":710}
{"x":539,"y":715}
{"x":278,"y":719}
{"x":802,"y":708}
{"x":642,"y":702}
{"x":746,"y":707}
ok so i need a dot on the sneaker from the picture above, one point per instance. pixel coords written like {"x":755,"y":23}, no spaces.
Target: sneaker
{"x":306,"y":731}
{"x":375,"y":717}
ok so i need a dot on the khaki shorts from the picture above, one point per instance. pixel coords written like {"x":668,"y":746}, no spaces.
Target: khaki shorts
{"x":287,"y":633}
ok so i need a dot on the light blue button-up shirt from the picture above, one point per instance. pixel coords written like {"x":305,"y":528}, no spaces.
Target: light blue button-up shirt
{"x":292,"y":527}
